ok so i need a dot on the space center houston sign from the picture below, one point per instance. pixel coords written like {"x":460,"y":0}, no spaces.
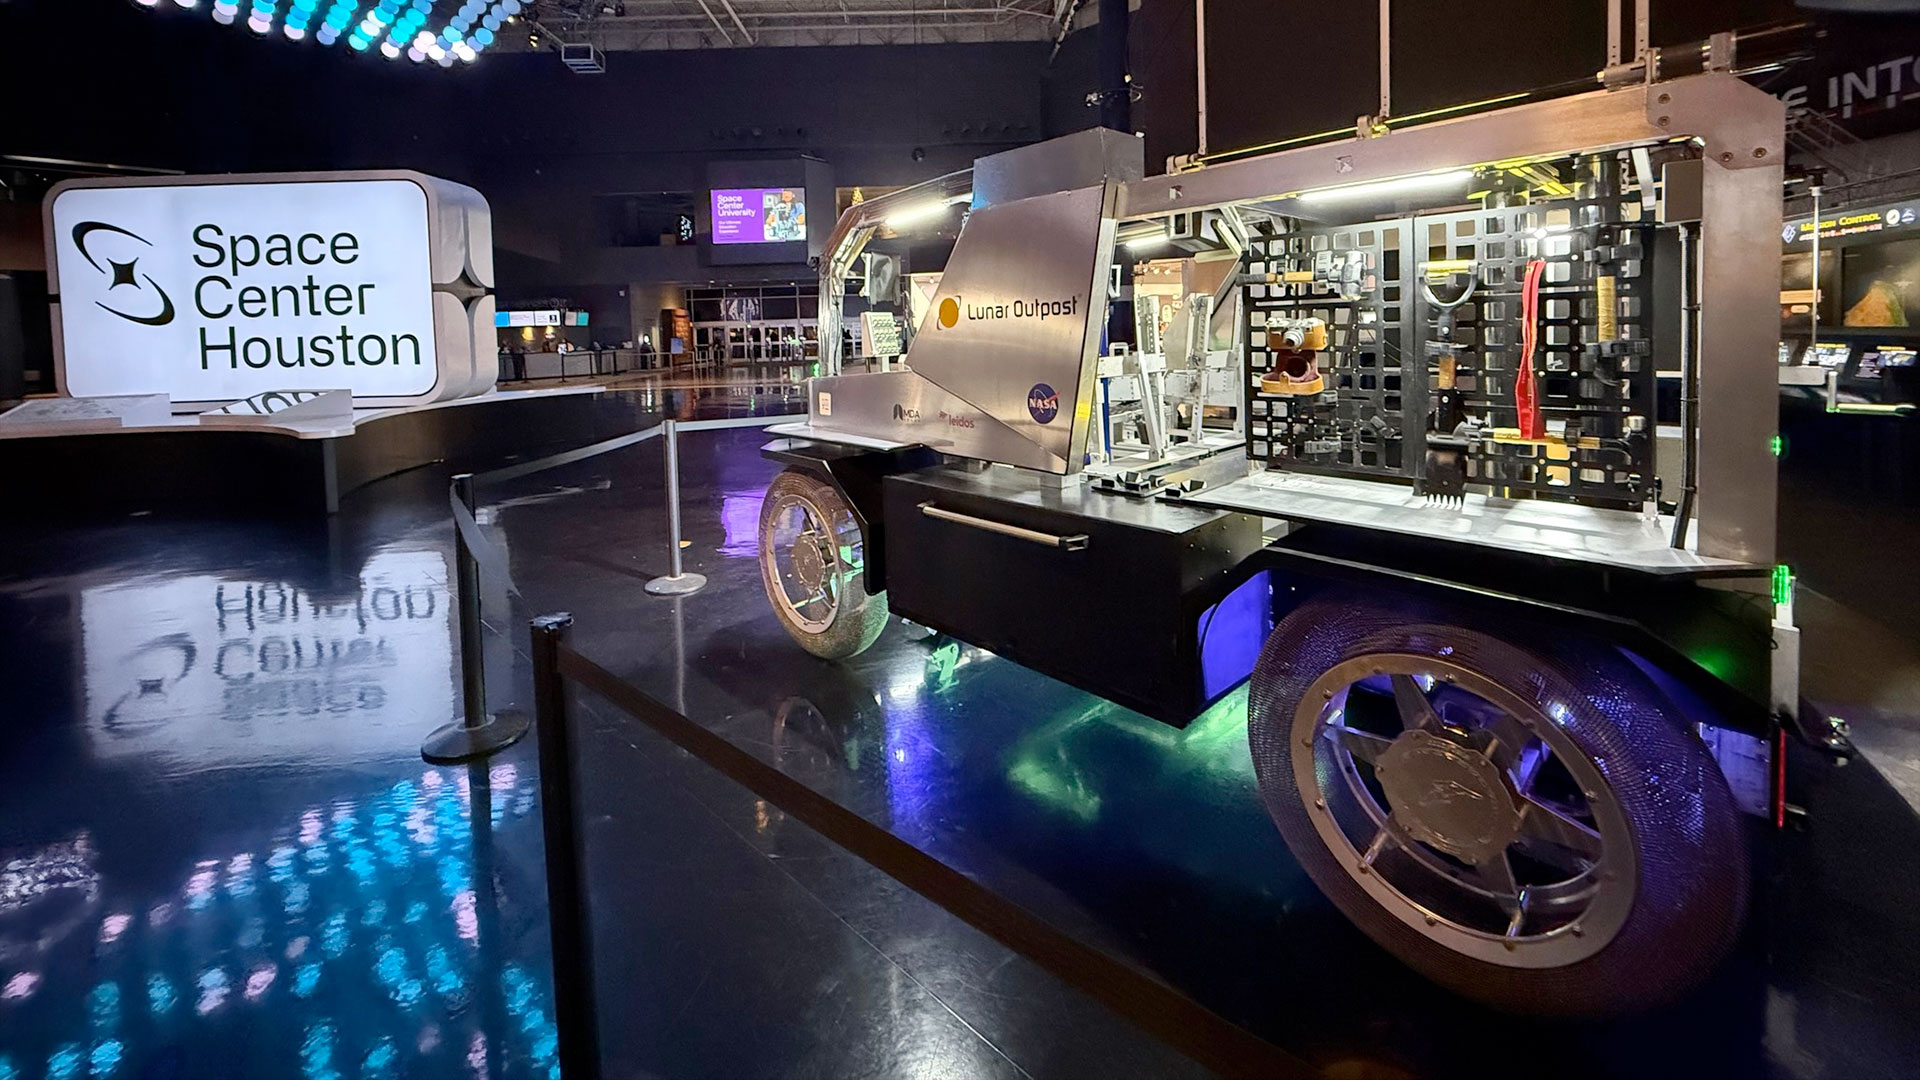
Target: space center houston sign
{"x":213,"y":289}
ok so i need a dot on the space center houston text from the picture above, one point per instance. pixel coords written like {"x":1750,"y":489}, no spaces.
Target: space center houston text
{"x":225,"y":295}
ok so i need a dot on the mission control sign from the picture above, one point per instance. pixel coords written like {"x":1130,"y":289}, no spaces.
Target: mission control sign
{"x":213,"y":292}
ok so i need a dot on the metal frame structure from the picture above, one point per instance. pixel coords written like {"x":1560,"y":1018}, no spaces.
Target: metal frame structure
{"x":1576,"y":624}
{"x":637,"y":25}
{"x":1739,"y":129}
{"x":849,"y":238}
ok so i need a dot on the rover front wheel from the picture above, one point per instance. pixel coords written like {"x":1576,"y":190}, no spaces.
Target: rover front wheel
{"x":812,"y":562}
{"x":1536,"y":828}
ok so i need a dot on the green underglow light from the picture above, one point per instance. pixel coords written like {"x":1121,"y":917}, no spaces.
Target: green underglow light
{"x":1057,"y":785}
{"x":1782,"y":584}
{"x":1779,"y":446}
{"x":940,"y":665}
{"x":1225,"y":721}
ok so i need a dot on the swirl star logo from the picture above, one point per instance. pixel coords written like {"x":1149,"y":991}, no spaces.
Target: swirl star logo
{"x":123,"y":273}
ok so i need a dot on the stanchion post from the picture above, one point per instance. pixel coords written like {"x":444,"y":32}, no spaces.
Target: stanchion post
{"x":567,"y":920}
{"x":476,"y":733}
{"x":676,"y":583}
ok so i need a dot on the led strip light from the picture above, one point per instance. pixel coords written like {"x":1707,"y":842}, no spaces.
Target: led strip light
{"x":395,"y":27}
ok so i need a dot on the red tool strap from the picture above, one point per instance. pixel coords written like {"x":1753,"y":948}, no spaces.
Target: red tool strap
{"x":1526,"y":394}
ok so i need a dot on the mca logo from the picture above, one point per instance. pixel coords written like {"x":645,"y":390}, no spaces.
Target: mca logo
{"x":906,"y":415}
{"x":1043,"y":403}
{"x":127,"y":273}
{"x":949,"y":313}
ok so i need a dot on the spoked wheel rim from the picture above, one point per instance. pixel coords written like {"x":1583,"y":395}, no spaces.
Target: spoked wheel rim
{"x":1465,"y":809}
{"x":811,"y":556}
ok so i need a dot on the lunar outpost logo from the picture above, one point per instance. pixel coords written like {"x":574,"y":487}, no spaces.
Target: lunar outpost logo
{"x":123,"y":272}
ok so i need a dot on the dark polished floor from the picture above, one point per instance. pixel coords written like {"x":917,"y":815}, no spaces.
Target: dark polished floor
{"x":221,"y":856}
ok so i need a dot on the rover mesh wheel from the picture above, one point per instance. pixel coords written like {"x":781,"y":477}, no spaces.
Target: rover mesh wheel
{"x":811,"y":561}
{"x":1535,"y":828}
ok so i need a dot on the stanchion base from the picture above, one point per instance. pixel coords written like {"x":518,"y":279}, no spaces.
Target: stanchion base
{"x":457,"y":742}
{"x":677,"y":586}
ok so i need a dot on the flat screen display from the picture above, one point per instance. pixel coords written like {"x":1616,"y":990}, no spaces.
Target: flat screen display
{"x":1829,"y":355}
{"x":1889,"y":356}
{"x":1881,"y":284}
{"x":775,"y":215}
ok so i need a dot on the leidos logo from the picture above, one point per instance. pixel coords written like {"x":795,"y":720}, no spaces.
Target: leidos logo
{"x":949,"y":312}
{"x":123,"y":272}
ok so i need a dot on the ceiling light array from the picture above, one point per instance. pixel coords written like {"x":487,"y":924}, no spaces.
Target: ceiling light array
{"x":396,"y":27}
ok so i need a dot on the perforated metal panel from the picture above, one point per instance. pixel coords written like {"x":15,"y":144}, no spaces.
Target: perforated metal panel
{"x":1587,"y":389}
{"x":1357,"y":425}
{"x":1381,"y":377}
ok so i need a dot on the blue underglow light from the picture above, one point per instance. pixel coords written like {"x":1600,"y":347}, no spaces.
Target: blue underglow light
{"x":447,"y":981}
{"x":64,"y":1063}
{"x":103,"y":1006}
{"x":106,"y":1057}
{"x":161,"y":996}
{"x":334,"y":934}
{"x":380,"y":1061}
{"x":214,"y":986}
{"x":316,"y":1053}
{"x":7,"y":1071}
{"x":305,"y":979}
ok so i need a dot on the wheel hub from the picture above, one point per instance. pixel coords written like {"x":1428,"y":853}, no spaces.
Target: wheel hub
{"x":809,"y":565}
{"x":1449,"y":796}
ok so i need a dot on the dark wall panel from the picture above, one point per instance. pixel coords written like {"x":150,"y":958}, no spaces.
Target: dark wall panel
{"x":171,"y":89}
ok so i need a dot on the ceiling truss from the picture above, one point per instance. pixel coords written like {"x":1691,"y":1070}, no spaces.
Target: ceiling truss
{"x":637,"y":25}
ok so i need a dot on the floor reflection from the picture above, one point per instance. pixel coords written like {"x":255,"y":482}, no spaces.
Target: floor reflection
{"x":206,"y":671}
{"x":243,"y":868}
{"x":354,"y":922}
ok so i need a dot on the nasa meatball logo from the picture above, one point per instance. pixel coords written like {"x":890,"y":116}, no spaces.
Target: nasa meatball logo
{"x":1043,"y":403}
{"x":949,"y":312}
{"x":153,"y":308}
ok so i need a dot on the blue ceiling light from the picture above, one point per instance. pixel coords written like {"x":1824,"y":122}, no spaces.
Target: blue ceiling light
{"x":397,"y":27}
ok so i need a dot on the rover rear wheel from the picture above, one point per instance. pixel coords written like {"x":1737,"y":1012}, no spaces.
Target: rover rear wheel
{"x":1535,"y":828}
{"x":812,"y":562}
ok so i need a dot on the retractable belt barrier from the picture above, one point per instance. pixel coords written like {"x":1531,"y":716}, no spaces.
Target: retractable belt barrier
{"x":1146,"y":1002}
{"x":492,"y":561}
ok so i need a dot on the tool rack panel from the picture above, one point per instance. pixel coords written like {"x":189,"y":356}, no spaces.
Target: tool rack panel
{"x":1595,"y":376}
{"x":1593,"y":362}
{"x":1357,"y":425}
